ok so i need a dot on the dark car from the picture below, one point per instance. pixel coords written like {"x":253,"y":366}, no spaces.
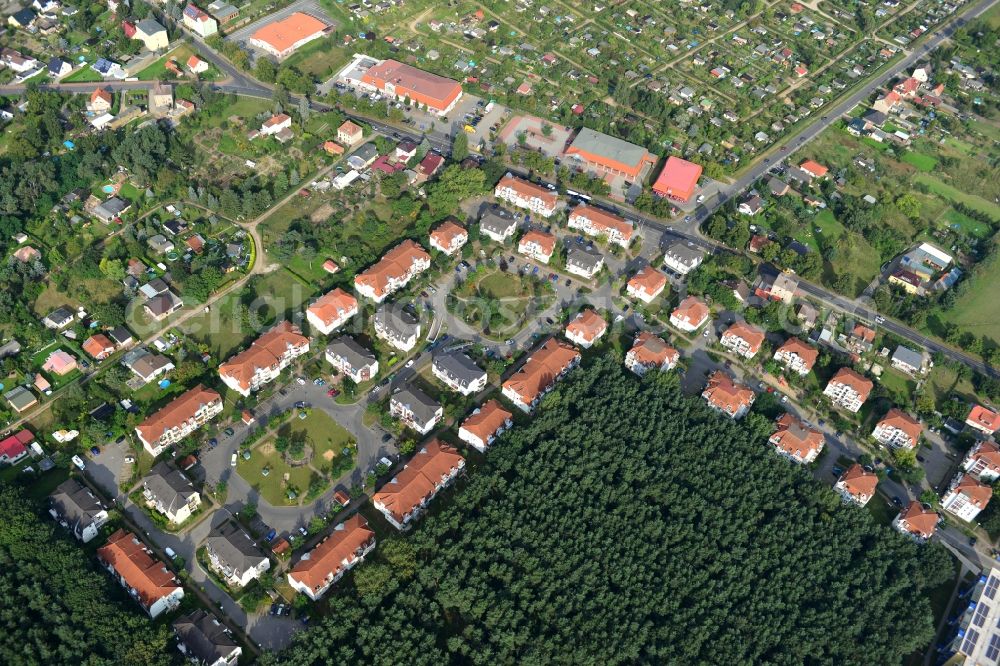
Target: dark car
{"x":212,"y":443}
{"x":386,"y":437}
{"x":920,"y":459}
{"x":229,"y":432}
{"x":300,"y":404}
{"x":897,"y":501}
{"x":973,"y":541}
{"x":95,"y":451}
{"x":837,"y":471}
{"x":270,"y":535}
{"x":282,"y":392}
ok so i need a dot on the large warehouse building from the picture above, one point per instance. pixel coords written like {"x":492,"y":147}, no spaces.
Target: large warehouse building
{"x":401,"y":81}
{"x":281,"y":38}
{"x":605,"y":155}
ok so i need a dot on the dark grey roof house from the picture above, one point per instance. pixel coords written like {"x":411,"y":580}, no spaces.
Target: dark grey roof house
{"x":77,"y":509}
{"x":459,"y":372}
{"x":206,"y":641}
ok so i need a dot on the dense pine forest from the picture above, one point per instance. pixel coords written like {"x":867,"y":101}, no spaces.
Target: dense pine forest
{"x":57,"y":607}
{"x":629,"y":524}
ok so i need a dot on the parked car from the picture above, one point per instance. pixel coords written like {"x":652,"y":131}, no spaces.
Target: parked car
{"x":386,"y":437}
{"x":232,"y":461}
{"x":300,"y":404}
{"x":229,"y":432}
{"x":333,"y":392}
{"x":78,"y":461}
{"x":212,"y":443}
{"x":95,"y":451}
{"x":129,"y":460}
{"x":303,"y":531}
{"x":170,"y":552}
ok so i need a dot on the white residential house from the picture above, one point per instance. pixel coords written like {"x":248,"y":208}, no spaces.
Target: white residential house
{"x":415,"y":409}
{"x":898,"y":430}
{"x":983,"y":461}
{"x":263,"y":362}
{"x":848,"y":389}
{"x":351,"y":359}
{"x":331,"y":311}
{"x":234,"y":556}
{"x":966,"y":497}
{"x":459,"y":372}
{"x":397,"y":326}
{"x":683,"y":258}
{"x":170,"y":493}
{"x":76,"y":508}
{"x":525,"y":194}
{"x":484,"y":425}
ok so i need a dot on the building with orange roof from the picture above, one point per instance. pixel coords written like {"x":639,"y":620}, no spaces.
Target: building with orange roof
{"x":983,"y":419}
{"x":966,"y":497}
{"x":282,"y":37}
{"x":333,"y":148}
{"x":431,"y":470}
{"x":275,"y":124}
{"x":742,"y":339}
{"x":983,"y":461}
{"x":178,"y":419}
{"x":797,"y":356}
{"x":917,"y":522}
{"x":848,"y":389}
{"x":795,"y":440}
{"x":525,"y":194}
{"x":449,"y":237}
{"x":537,"y":244}
{"x":690,"y":314}
{"x":101,"y":101}
{"x":726,"y":396}
{"x":536,"y":377}
{"x":400,"y":81}
{"x":481,"y":428}
{"x":27,"y":254}
{"x":813,"y":168}
{"x":606,"y":156}
{"x":898,"y":430}
{"x":196,"y":64}
{"x":266,"y":357}
{"x":650,"y":352}
{"x":646,"y":285}
{"x":99,"y":346}
{"x":393,"y":271}
{"x":338,"y":553}
{"x":350,"y":133}
{"x":678,"y":179}
{"x":861,"y":339}
{"x":59,"y":363}
{"x":595,"y":221}
{"x":857,"y":485}
{"x":146,"y":579}
{"x":331,"y":311}
{"x":586,"y":328}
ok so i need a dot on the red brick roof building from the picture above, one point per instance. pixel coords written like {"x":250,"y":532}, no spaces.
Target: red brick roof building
{"x":484,"y":425}
{"x":857,"y":485}
{"x":646,"y":285}
{"x":649,"y":352}
{"x":540,"y":373}
{"x":399,"y":80}
{"x":795,"y":440}
{"x":678,"y":179}
{"x":726,"y":396}
{"x":335,"y":555}
{"x":393,"y":271}
{"x":271,"y":353}
{"x":147,"y":579}
{"x":433,"y":468}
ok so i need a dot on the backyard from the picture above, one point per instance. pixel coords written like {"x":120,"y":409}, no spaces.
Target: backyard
{"x":242,"y":315}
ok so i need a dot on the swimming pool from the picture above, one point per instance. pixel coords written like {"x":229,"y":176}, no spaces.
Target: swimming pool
{"x":109,"y":189}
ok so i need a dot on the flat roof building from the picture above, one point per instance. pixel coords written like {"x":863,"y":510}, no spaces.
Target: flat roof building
{"x":604,"y":155}
{"x":282,"y":37}
{"x":678,"y":179}
{"x":399,"y":80}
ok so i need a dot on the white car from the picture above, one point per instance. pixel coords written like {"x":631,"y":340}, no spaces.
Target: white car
{"x":170,"y":553}
{"x":232,"y":461}
{"x":409,"y":364}
{"x":78,"y":461}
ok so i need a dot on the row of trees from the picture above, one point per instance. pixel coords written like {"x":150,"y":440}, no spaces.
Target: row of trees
{"x":629,"y":524}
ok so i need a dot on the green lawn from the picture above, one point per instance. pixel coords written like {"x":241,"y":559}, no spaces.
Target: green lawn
{"x":944,"y":382}
{"x":882,"y":510}
{"x":920,"y":161}
{"x":158,"y":70}
{"x":501,"y":285}
{"x":271,"y":297}
{"x":948,"y":192}
{"x":900,"y":386}
{"x":975,"y":309}
{"x":320,"y":58}
{"x":280,"y":477}
{"x":327,"y":438}
{"x":957,"y":220}
{"x":83,"y":75}
{"x":38,"y":360}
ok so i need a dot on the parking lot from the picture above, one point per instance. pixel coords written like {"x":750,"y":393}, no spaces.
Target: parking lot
{"x":108,"y":468}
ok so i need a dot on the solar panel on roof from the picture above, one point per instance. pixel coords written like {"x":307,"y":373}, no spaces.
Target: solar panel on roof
{"x":993,"y":650}
{"x":982,"y":610}
{"x":991,"y":587}
{"x":969,"y":644}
